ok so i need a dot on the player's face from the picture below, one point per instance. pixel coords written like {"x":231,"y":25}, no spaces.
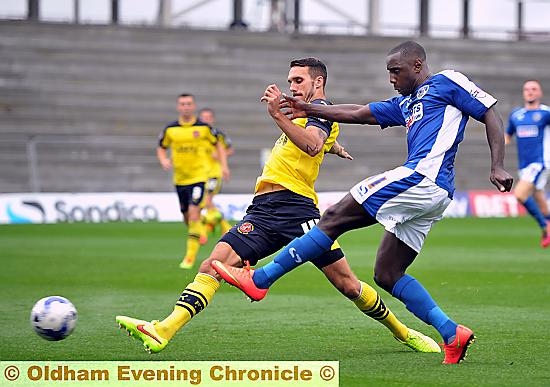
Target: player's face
{"x":302,"y":86}
{"x":208,"y":117}
{"x":186,"y":106}
{"x":532,"y":92}
{"x":402,"y":73}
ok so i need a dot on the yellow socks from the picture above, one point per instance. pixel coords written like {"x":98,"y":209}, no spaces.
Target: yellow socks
{"x":370,"y":303}
{"x":194,"y":298}
{"x":193,"y":236}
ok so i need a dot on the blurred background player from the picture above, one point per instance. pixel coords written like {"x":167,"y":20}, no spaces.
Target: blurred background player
{"x":212,"y":216}
{"x":284,"y":206}
{"x":190,"y":142}
{"x":531,"y":126}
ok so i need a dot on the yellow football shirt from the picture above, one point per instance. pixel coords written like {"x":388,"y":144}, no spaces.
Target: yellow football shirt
{"x":190,"y":146}
{"x":294,"y":169}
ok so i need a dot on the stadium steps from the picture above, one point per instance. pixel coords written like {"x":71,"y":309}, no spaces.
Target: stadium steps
{"x":69,"y":81}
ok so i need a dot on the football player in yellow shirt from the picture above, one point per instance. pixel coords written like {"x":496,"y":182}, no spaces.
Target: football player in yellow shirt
{"x":190,"y":142}
{"x":284,"y":207}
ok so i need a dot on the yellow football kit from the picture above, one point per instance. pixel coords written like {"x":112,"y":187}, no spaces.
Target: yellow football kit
{"x":190,"y":145}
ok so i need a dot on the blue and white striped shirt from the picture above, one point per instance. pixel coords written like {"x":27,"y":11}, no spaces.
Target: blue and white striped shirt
{"x":435,"y":116}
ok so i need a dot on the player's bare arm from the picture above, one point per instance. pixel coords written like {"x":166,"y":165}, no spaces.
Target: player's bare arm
{"x":310,"y":140}
{"x":495,"y":137}
{"x":507,"y":139}
{"x":221,"y":153}
{"x":345,"y":113}
{"x":163,"y":158}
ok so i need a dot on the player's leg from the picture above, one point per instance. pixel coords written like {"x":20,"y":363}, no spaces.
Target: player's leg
{"x":542,"y":202}
{"x":196,"y":296}
{"x":368,"y":301}
{"x":208,"y":219}
{"x":343,"y":216}
{"x":213,"y":215}
{"x":195,"y":196}
{"x":203,"y":239}
{"x":407,"y":207}
{"x":524,"y":191}
{"x":393,"y":258}
{"x":529,"y":178}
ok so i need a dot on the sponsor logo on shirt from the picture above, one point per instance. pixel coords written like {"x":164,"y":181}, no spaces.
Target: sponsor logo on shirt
{"x":417,"y":114}
{"x":524,"y":131}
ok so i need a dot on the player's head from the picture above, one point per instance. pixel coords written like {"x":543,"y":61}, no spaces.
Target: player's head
{"x":307,"y":78}
{"x":532,"y":91}
{"x":207,"y":116}
{"x":407,"y":66}
{"x":186,"y":106}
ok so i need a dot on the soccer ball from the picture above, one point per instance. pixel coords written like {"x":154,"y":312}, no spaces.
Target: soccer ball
{"x":53,"y":318}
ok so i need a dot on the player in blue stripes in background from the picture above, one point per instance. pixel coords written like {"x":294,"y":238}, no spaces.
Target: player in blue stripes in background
{"x":407,"y":200}
{"x":531,"y":126}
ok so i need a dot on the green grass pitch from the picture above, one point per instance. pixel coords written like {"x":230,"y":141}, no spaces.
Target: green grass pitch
{"x":489,"y":274}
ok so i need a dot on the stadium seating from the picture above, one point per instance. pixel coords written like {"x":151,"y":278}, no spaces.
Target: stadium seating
{"x":81,"y":106}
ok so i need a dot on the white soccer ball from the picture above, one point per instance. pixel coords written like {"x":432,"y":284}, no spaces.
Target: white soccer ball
{"x":53,"y":318}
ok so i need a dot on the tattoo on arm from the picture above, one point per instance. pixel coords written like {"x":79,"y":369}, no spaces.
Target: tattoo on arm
{"x":311,"y":150}
{"x":323,"y":135}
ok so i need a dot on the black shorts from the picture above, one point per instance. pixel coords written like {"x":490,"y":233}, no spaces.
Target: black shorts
{"x":271,"y":222}
{"x":190,"y":194}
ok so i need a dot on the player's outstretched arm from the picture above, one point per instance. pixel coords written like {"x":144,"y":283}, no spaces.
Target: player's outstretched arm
{"x":495,"y":136}
{"x":345,"y":113}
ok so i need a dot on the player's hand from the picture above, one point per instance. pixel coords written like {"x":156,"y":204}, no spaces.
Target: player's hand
{"x":166,"y":164}
{"x":343,"y":153}
{"x":294,"y":107}
{"x":340,"y":151}
{"x":501,"y":179}
{"x":272,"y":96}
{"x":226,"y":174}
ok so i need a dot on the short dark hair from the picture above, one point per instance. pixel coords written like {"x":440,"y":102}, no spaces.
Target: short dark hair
{"x":316,"y":67}
{"x":186,"y":95}
{"x":409,"y":49}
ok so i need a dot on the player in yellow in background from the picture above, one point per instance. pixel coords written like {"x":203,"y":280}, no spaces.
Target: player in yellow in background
{"x":190,"y":142}
{"x":284,"y":207}
{"x":212,"y":216}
